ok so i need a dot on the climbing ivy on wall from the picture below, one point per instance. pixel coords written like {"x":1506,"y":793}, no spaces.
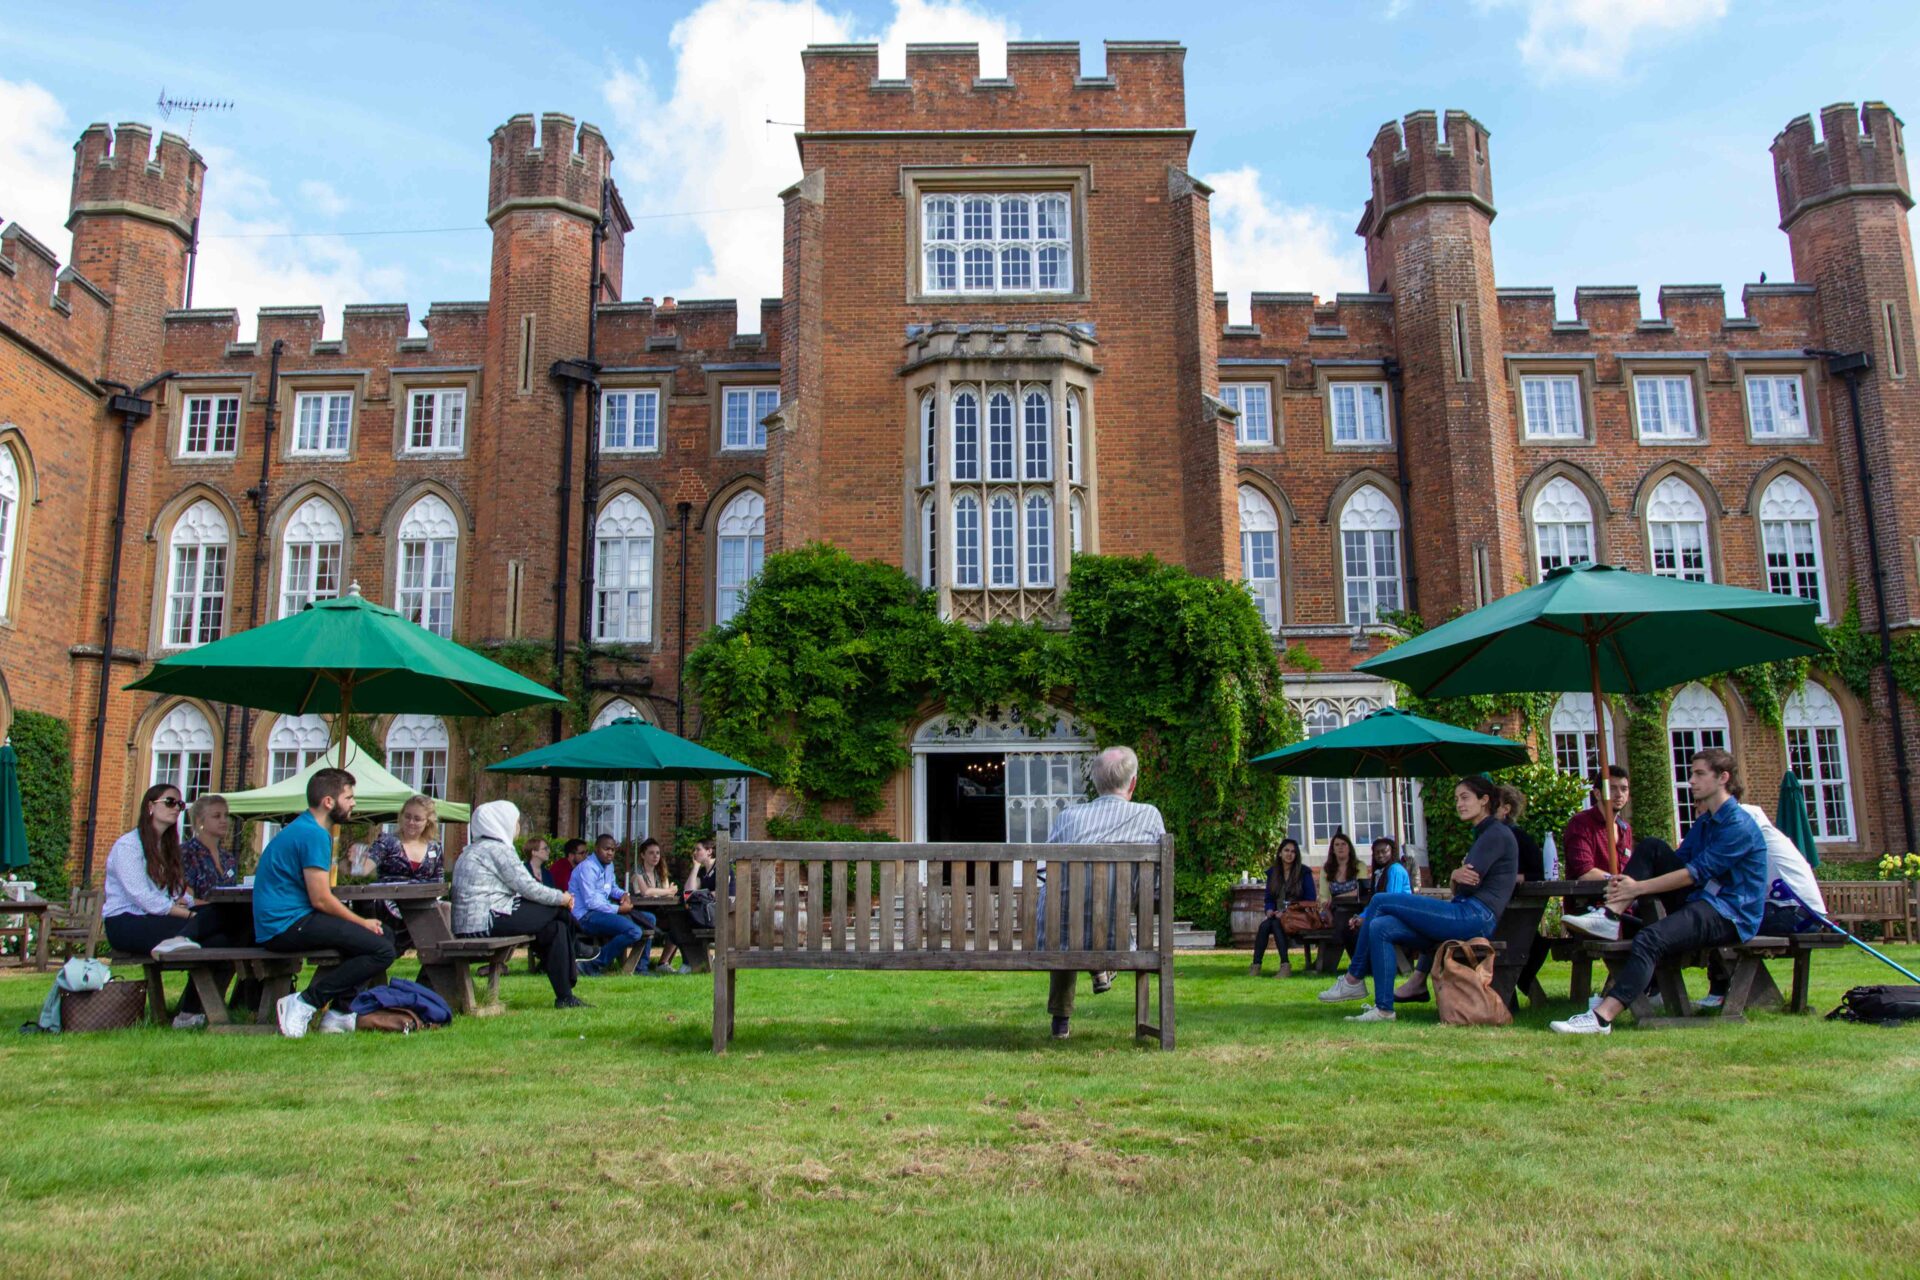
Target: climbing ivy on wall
{"x":830,"y":661}
{"x":45,"y":750}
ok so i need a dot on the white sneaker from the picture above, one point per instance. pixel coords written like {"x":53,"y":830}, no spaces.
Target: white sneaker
{"x":1709,"y":1001}
{"x":1583,"y":1024}
{"x":334,"y":1022}
{"x":294,"y":1015}
{"x":189,"y":1021}
{"x":1346,"y":988}
{"x":1594,"y":924}
{"x":168,"y":945}
{"x":1373,"y":1013}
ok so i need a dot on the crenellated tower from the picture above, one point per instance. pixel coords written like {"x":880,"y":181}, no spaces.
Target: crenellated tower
{"x":1844,"y":197}
{"x":1429,"y":245}
{"x":544,"y":201}
{"x":132,"y":215}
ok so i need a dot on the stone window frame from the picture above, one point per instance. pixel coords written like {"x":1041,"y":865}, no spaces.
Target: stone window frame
{"x":719,"y":382}
{"x":305,"y":382}
{"x":1366,"y":477}
{"x":14,"y":441}
{"x":1826,"y":527}
{"x":1807,"y":369}
{"x":1710,"y":502}
{"x":1581,"y":368}
{"x":919,"y":181}
{"x":396,"y":516}
{"x":1598,"y":510}
{"x":405,"y":382}
{"x":1694,"y":369}
{"x":160,"y":534}
{"x":618,"y":384}
{"x":195,"y":387}
{"x":1853,"y":752}
{"x":1275,"y":496}
{"x":1365,"y":372}
{"x":723,"y":499}
{"x":656,"y":512}
{"x":298,"y":497}
{"x":1240,"y":376}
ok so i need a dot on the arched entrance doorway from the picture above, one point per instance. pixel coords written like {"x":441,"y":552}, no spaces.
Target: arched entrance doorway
{"x":997,"y":777}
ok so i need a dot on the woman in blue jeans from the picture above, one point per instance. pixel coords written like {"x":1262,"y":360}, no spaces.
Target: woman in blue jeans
{"x":1481,"y":887}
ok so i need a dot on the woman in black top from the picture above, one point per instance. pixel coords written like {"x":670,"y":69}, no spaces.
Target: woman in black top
{"x":1482,"y":886}
{"x":1288,"y":882}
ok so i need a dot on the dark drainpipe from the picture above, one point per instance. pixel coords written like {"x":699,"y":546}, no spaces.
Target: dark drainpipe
{"x":1392,"y":369}
{"x":1849,"y":366}
{"x":680,"y":665}
{"x":133,"y":410}
{"x":259,"y":494}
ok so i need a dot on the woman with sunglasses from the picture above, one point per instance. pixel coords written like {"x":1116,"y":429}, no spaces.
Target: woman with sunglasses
{"x":147,"y":907}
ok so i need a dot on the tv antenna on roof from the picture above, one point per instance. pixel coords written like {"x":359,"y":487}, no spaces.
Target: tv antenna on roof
{"x":192,"y":106}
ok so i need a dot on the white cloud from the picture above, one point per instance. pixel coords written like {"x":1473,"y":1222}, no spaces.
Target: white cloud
{"x":322,"y":198}
{"x":702,"y":142}
{"x":36,"y":164}
{"x":247,"y":261}
{"x":1261,"y":243}
{"x":1594,"y":39}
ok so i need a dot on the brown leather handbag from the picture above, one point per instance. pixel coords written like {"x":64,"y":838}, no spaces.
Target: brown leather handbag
{"x":403,"y":1021}
{"x":1304,"y":917}
{"x":114,"y":1007}
{"x":1463,"y":985}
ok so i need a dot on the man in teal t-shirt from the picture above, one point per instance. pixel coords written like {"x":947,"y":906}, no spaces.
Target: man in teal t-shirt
{"x":294,"y":910}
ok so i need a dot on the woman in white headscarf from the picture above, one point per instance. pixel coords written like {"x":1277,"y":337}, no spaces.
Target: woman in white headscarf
{"x":493,"y":896}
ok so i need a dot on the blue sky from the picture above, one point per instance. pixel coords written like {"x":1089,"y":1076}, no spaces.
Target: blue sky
{"x":1629,"y":136}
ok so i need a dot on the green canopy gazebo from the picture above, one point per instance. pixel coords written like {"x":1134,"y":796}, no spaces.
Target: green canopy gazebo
{"x":376,"y":793}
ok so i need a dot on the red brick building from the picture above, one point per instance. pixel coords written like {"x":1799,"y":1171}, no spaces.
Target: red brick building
{"x":998,"y":343}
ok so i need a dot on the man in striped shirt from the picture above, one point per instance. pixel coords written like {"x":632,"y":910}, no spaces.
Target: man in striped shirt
{"x":1111,"y":818}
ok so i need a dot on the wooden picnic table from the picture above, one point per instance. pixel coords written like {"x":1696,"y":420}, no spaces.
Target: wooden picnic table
{"x":1521,"y":921}
{"x":38,"y":908}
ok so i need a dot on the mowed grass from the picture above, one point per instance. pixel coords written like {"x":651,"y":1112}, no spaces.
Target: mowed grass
{"x":925,"y":1125}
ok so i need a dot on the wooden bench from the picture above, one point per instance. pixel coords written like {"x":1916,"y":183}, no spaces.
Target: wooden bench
{"x":1750,"y":987}
{"x":1887,"y":903}
{"x":275,"y":971}
{"x":447,"y":961}
{"x":1108,"y":907}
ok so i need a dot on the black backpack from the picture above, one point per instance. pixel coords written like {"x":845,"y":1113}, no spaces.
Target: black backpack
{"x":1887,"y":1005}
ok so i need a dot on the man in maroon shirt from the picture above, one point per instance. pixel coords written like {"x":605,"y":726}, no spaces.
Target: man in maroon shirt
{"x":569,"y":858}
{"x":1587,"y":857}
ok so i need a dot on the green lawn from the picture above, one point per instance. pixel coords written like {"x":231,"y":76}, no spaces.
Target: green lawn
{"x":924,"y":1125}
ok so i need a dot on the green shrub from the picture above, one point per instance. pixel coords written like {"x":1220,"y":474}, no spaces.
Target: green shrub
{"x":45,"y":749}
{"x":1552,"y":798}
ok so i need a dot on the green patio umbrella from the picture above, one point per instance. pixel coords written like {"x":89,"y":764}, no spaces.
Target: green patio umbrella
{"x":13,"y":817}
{"x":341,"y":656}
{"x":1392,"y":743}
{"x":1790,"y":815}
{"x":627,"y":750}
{"x":1596,"y":627}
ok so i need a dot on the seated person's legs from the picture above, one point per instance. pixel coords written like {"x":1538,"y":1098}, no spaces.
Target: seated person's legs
{"x":1695,"y":926}
{"x":617,"y":933}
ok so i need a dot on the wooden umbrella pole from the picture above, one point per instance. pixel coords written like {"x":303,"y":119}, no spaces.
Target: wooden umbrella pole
{"x":1603,"y":790}
{"x":344,"y":720}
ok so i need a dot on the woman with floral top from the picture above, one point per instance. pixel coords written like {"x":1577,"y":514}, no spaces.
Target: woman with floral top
{"x":409,"y":855}
{"x":205,"y":860}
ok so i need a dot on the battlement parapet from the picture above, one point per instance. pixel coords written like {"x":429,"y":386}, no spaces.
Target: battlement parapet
{"x":1614,"y":310}
{"x":1290,"y":319}
{"x":1859,"y":152}
{"x":1412,"y":161}
{"x":561,"y":167}
{"x":118,"y":171}
{"x":52,"y":306}
{"x":1144,"y":88}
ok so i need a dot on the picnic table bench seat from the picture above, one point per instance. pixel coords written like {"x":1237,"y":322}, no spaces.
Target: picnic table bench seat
{"x":1751,"y":986}
{"x":964,"y":907}
{"x":275,"y":971}
{"x":447,"y":961}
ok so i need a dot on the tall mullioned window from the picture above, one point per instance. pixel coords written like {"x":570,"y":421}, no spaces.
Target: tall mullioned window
{"x":999,"y":471}
{"x":975,"y":242}
{"x":429,"y":546}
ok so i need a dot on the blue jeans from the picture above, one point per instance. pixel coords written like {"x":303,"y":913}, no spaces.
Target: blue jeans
{"x":1409,"y":920}
{"x":620,"y":933}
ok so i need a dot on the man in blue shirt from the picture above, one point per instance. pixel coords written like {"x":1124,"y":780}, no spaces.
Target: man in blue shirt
{"x":604,"y":910}
{"x":1725,"y":879}
{"x":294,"y":910}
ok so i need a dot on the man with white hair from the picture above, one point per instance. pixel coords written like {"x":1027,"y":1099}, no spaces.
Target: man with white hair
{"x":1111,"y":818}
